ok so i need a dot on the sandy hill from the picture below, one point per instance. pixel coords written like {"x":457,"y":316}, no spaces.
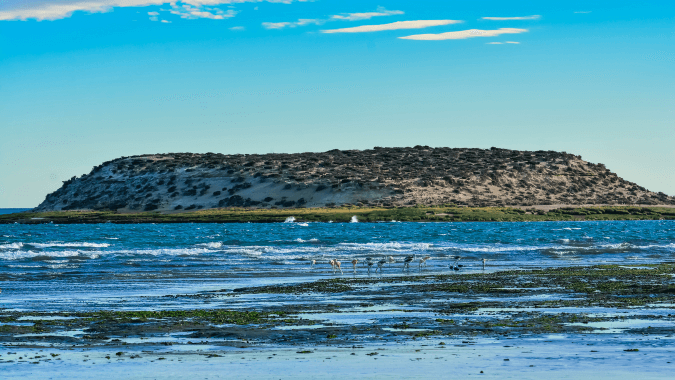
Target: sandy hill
{"x":380,"y":176}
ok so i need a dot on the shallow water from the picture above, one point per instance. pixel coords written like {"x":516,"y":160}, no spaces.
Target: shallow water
{"x":65,"y":267}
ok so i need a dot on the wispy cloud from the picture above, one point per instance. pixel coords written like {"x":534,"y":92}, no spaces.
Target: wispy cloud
{"x":463,"y":34}
{"x":58,"y":9}
{"x":583,"y":11}
{"x":341,"y":17}
{"x":418,"y":24}
{"x":533,"y":17}
{"x":192,"y":12}
{"x":502,"y":43}
{"x":301,"y":22}
{"x":237,"y":28}
{"x":365,"y":15}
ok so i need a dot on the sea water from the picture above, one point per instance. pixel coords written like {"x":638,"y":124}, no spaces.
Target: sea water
{"x":54,"y":267}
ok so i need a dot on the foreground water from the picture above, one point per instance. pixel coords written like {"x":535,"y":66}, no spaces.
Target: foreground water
{"x":70,"y":264}
{"x":395,"y":324}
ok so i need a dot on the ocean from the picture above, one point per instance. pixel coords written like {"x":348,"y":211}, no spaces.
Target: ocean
{"x":71,"y":265}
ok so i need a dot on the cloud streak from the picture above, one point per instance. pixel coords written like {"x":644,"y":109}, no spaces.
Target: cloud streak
{"x":300,"y":22}
{"x":463,"y":34}
{"x":365,"y":15}
{"x":58,"y":9}
{"x":417,"y":24}
{"x":533,"y":17}
{"x":341,"y":17}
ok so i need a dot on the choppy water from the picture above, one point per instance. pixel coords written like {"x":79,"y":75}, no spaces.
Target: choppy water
{"x":77,"y":264}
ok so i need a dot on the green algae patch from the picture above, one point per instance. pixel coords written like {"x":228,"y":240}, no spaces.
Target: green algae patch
{"x":321,"y":286}
{"x":210,"y":316}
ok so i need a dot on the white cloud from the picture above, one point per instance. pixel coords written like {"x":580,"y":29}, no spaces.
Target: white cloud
{"x":342,"y":17}
{"x":365,"y":15}
{"x":166,"y":22}
{"x":583,"y":11}
{"x":58,"y":9}
{"x":301,"y":22}
{"x":418,"y":24}
{"x":494,"y":43}
{"x":463,"y":34}
{"x":533,"y":17}
{"x":191,"y":12}
{"x":513,"y":42}
{"x":153,"y":13}
{"x":237,"y":28}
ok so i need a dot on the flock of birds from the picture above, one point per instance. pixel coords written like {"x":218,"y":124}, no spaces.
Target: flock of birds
{"x":379,"y":264}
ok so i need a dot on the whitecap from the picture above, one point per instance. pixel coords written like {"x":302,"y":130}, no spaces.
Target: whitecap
{"x":16,"y":245}
{"x":303,"y":224}
{"x":69,"y":245}
{"x":213,"y":245}
{"x":290,"y":219}
{"x":354,"y":219}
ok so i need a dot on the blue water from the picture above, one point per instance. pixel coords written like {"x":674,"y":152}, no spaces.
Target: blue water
{"x":69,"y":266}
{"x":12,"y":210}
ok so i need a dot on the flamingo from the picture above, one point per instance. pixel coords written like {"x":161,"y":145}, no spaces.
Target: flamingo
{"x":423,"y":261}
{"x":338,"y":265}
{"x":407,"y":261}
{"x":368,"y":261}
{"x":380,"y":264}
{"x":484,"y":261}
{"x":454,"y":265}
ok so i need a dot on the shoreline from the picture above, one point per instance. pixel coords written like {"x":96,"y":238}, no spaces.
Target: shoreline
{"x":445,"y":213}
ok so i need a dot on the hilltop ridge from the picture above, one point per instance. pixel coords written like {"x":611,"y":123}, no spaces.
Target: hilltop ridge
{"x":419,"y":175}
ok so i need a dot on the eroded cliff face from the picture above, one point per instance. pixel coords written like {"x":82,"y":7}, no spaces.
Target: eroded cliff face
{"x":381,"y":176}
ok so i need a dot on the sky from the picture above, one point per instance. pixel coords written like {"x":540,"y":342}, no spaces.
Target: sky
{"x":87,"y":81}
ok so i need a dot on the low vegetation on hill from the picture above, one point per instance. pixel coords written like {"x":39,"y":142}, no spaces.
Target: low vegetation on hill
{"x":380,"y":177}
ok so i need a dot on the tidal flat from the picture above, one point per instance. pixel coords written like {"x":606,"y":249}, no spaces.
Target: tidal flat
{"x":516,"y":323}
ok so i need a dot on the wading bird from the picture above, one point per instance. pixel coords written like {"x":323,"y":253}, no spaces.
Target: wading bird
{"x":484,"y":261}
{"x":423,"y":261}
{"x":380,"y":264}
{"x":338,"y":265}
{"x":407,"y":261}
{"x":454,"y":265}
{"x":354,"y":262}
{"x":368,"y":261}
{"x":370,"y":265}
{"x":312,"y":263}
{"x":391,"y":259}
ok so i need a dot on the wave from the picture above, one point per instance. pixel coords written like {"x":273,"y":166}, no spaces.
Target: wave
{"x":69,"y":245}
{"x":17,"y":245}
{"x":213,"y":245}
{"x":33,"y":255}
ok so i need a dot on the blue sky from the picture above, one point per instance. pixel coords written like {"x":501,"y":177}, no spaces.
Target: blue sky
{"x":82,"y":82}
